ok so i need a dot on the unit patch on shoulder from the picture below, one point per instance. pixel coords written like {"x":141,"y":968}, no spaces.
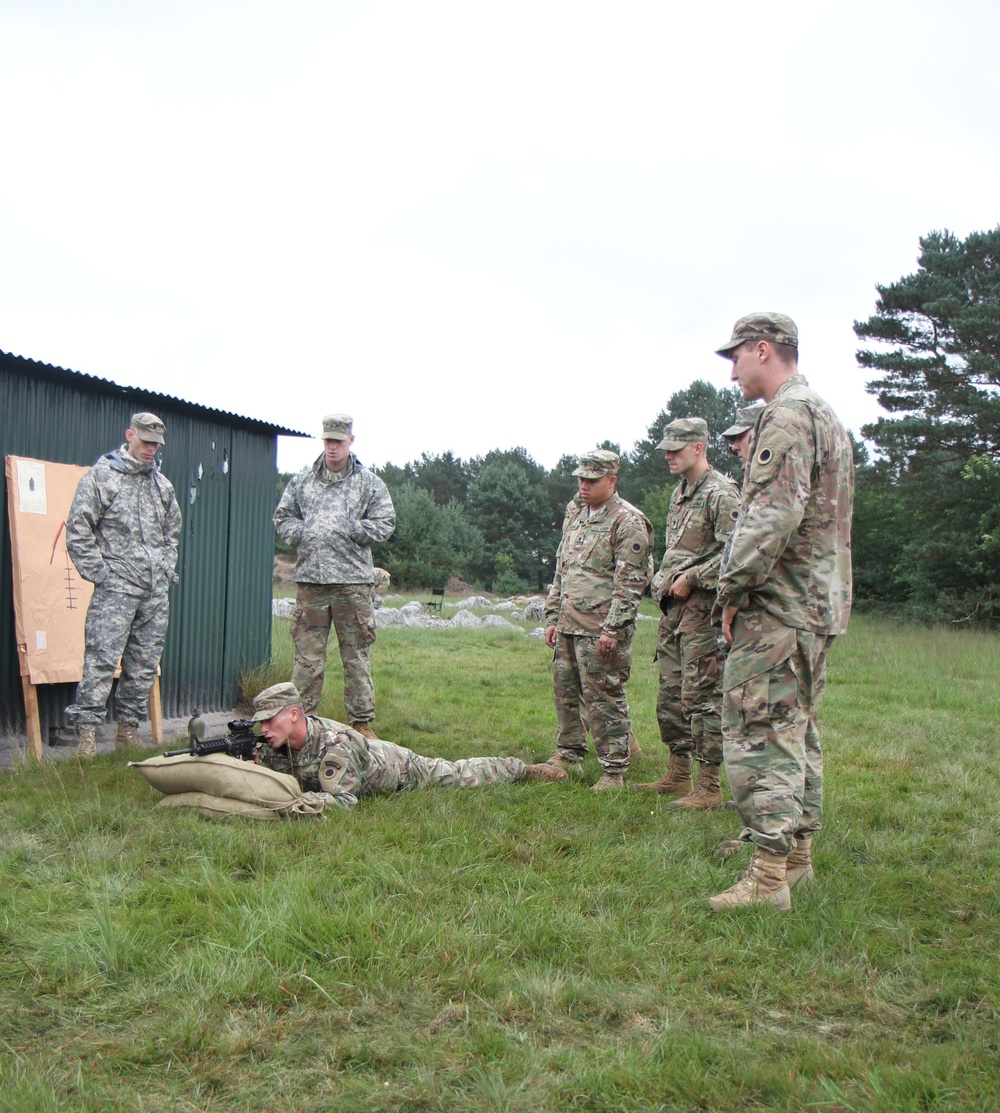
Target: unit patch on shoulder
{"x":764,"y":456}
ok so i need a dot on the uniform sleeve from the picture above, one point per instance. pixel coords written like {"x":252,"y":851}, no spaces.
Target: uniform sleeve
{"x":633,"y":549}
{"x":724,"y":507}
{"x":288,"y":518}
{"x":172,"y":526}
{"x":81,"y":530}
{"x":341,"y":771}
{"x":380,"y":516}
{"x":555,"y":591}
{"x":777,"y":490}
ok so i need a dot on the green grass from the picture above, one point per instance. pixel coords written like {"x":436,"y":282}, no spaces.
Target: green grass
{"x":525,"y":947}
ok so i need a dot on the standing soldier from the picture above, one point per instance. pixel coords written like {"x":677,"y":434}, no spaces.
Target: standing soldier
{"x":737,"y":436}
{"x":703,"y":509}
{"x":784,"y":594}
{"x":122,"y":534}
{"x":331,"y":514}
{"x":603,"y":565}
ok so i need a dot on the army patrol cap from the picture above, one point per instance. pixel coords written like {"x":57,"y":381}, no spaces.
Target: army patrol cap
{"x":746,"y":419}
{"x":682,"y":432}
{"x":148,"y":427}
{"x":775,"y":327}
{"x":597,"y":464}
{"x":268,"y":703}
{"x":337,"y":427}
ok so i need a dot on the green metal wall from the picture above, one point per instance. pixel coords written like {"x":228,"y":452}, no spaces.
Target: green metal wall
{"x":223,"y":469}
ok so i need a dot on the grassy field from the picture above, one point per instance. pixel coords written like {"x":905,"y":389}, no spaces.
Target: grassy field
{"x":526,"y":947}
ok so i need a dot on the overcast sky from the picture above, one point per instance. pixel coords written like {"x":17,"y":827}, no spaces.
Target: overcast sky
{"x":475,"y":225}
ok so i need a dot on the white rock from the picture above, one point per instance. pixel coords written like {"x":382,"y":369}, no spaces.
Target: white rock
{"x":463,"y":618}
{"x":282,"y":608}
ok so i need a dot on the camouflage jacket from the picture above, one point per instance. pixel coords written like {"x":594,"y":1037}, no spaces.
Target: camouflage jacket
{"x":699,"y":521}
{"x":790,"y":552}
{"x":603,"y":565}
{"x":337,"y":760}
{"x":332,"y":524}
{"x":124,"y":526}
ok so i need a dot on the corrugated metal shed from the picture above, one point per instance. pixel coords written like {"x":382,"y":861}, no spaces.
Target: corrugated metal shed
{"x":223,"y":468}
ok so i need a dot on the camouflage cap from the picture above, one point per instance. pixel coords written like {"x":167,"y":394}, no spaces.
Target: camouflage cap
{"x":268,"y":703}
{"x":775,"y":327}
{"x":746,"y":419}
{"x":597,"y":463}
{"x":682,"y":432}
{"x":338,"y":427}
{"x":148,"y":427}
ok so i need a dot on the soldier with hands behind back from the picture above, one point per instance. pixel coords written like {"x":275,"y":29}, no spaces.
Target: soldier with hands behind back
{"x":331,"y":514}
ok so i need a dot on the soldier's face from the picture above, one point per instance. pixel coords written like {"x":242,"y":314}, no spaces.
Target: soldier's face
{"x":143,"y":451}
{"x":336,"y":453}
{"x":739,"y":446}
{"x":683,"y":460}
{"x":596,"y":492}
{"x":747,"y":371}
{"x":277,"y":729}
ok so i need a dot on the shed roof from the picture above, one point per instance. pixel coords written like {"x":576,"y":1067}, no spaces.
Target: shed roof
{"x":106,"y":386}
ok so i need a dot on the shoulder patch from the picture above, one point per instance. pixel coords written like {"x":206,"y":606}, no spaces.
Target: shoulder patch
{"x":734,"y":514}
{"x":636,"y":547}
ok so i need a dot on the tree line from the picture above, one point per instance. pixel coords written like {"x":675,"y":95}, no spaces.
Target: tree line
{"x":926,"y":537}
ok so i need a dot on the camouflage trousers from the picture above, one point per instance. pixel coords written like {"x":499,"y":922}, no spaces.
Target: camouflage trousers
{"x":127,"y":627}
{"x":583,"y":682}
{"x":348,"y":608}
{"x":689,"y":702}
{"x":774,"y":680}
{"x":402,"y":769}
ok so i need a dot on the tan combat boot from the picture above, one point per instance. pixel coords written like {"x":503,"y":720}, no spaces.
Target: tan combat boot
{"x":559,"y":762}
{"x":608,"y":780}
{"x":545,"y":771}
{"x":762,"y":883}
{"x":799,"y":866}
{"x":86,"y":746}
{"x":677,"y":782}
{"x":366,"y":730}
{"x":706,"y":795}
{"x":126,"y":737}
{"x":634,"y":749}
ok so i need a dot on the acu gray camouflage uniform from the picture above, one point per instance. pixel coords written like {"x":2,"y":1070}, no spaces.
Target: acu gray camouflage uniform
{"x":332,"y":519}
{"x":689,"y":654}
{"x":789,"y":560}
{"x":122,"y":534}
{"x":344,"y":764}
{"x":603,"y":565}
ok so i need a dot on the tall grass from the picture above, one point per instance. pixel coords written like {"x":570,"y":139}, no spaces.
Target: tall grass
{"x":524,"y":947}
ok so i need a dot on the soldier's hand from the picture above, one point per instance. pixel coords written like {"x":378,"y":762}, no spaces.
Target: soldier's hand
{"x":606,"y":646}
{"x":728,"y":615}
{"x":680,"y":588}
{"x":550,"y":637}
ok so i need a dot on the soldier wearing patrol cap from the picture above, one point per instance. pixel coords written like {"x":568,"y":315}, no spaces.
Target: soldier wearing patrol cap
{"x":784,"y":594}
{"x":331,"y":514}
{"x":330,"y":757}
{"x":701,"y":516}
{"x":603,"y":565}
{"x":122,"y":534}
{"x":738,"y":435}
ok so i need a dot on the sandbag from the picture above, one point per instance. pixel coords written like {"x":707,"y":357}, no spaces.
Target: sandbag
{"x":221,"y":775}
{"x":217,"y":807}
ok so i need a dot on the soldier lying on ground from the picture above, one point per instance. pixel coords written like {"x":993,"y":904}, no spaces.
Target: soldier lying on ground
{"x":329,"y":757}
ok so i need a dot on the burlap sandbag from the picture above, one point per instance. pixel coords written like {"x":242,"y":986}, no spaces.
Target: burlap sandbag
{"x":221,"y":775}
{"x":217,"y":807}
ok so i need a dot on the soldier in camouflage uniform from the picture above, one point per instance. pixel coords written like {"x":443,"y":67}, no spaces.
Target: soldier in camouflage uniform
{"x":701,"y":516}
{"x":603,"y":565}
{"x":122,"y":534}
{"x":784,"y":594}
{"x":331,"y":514}
{"x":329,"y":757}
{"x":737,"y":436}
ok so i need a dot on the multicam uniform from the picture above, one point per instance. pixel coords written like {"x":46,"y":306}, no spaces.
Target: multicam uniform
{"x":122,"y":534}
{"x":789,"y":560}
{"x":344,"y":764}
{"x":688,"y":707}
{"x":332,"y":519}
{"x":603,"y":565}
